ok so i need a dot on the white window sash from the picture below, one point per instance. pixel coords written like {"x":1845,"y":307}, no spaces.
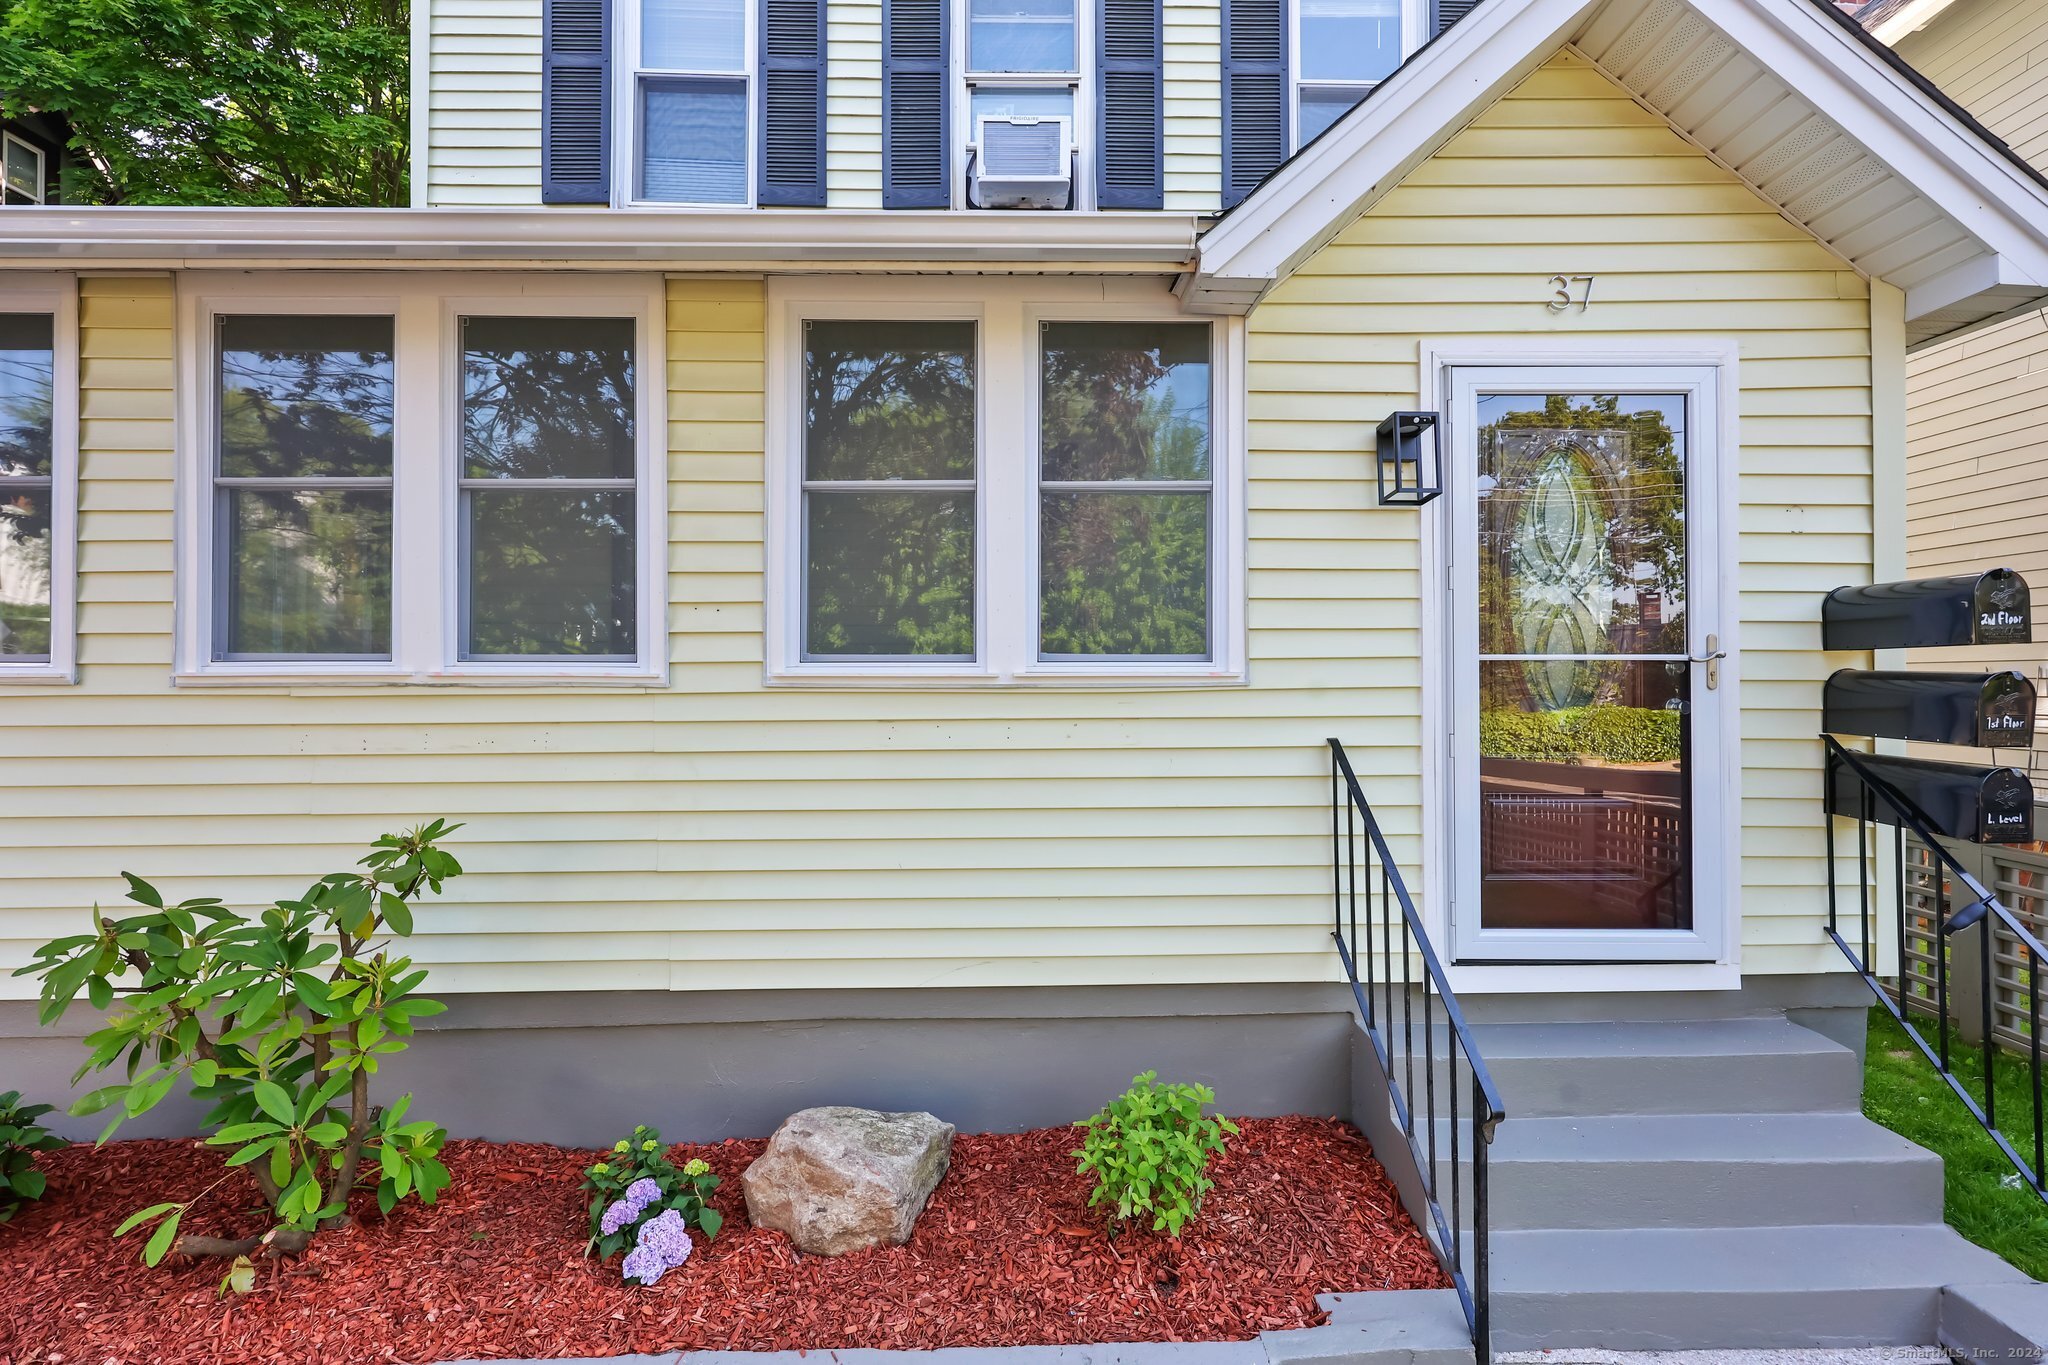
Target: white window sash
{"x":1414,"y":32}
{"x":427,"y":565}
{"x":963,"y":79}
{"x":39,"y":192}
{"x":57,"y":296}
{"x":1008,"y":314}
{"x":629,"y":135}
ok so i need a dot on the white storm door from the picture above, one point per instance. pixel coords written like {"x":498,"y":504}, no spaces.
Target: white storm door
{"x":1589,"y":771}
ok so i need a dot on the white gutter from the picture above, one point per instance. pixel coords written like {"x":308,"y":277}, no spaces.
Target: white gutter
{"x":60,"y":236}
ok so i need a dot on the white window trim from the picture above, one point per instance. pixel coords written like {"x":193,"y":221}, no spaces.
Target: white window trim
{"x":56,"y":295}
{"x":1437,"y":359}
{"x":963,"y":79}
{"x":1414,"y":32}
{"x":1008,"y":313}
{"x":42,"y":190}
{"x":627,"y":134}
{"x":426,"y":567}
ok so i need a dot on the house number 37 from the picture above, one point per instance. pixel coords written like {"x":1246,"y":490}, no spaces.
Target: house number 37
{"x":1570,"y":291}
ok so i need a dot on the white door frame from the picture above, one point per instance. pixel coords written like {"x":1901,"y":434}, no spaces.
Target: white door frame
{"x":1567,"y":959}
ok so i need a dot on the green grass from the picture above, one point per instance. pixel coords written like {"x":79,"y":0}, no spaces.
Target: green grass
{"x":1903,"y":1092}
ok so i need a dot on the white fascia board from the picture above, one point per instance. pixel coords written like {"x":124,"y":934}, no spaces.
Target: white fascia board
{"x":1973,"y":183}
{"x":648,"y":238}
{"x":1311,"y":197}
{"x":1366,"y":154}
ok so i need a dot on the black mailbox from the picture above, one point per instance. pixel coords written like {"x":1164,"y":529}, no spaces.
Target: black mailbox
{"x":1978,"y":805}
{"x":1989,"y":710}
{"x":1988,"y":608}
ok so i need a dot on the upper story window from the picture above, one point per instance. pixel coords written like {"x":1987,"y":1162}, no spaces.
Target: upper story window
{"x":1026,"y":59}
{"x":692,"y":97}
{"x":414,"y":481}
{"x":22,"y":169}
{"x":1342,"y":48}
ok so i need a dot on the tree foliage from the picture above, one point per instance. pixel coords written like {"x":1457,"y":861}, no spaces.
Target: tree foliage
{"x":299,"y":102}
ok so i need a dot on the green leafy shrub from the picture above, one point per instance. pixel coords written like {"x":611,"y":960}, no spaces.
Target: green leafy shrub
{"x":1628,"y":734}
{"x":644,"y":1156}
{"x":21,"y":1137}
{"x":278,"y":1022}
{"x":1613,"y":734}
{"x":1149,"y":1151}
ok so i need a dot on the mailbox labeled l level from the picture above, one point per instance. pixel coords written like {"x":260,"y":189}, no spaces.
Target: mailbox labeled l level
{"x":1988,"y":608}
{"x":1960,"y":800}
{"x":1988,"y":710}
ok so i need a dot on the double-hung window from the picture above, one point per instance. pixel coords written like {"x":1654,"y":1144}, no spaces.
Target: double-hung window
{"x":548,"y":488}
{"x":1025,"y":59}
{"x":1046,"y":492}
{"x":1342,"y":48}
{"x":38,"y":462}
{"x":692,"y":100}
{"x":302,"y":486}
{"x":23,"y":179}
{"x":427,"y":485}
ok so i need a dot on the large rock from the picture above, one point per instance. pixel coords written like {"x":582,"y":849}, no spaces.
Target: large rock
{"x":838,"y":1179}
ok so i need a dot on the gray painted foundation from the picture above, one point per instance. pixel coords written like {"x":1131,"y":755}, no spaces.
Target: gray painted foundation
{"x":579,"y":1069}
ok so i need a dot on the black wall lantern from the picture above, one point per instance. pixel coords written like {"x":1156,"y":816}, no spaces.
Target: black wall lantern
{"x":1411,"y":465}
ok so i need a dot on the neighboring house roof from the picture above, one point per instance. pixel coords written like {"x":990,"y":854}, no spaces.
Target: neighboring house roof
{"x":1792,"y":97}
{"x":1890,"y":20}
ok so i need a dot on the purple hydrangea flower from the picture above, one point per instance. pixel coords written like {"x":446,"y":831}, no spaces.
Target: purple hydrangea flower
{"x":666,"y":1235}
{"x":643,"y":1266}
{"x":641,"y":1193}
{"x":620,"y":1213}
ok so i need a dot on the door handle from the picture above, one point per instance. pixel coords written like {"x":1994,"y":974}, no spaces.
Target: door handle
{"x":1712,"y":659}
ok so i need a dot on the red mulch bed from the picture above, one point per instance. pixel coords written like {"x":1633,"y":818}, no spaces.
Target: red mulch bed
{"x":1006,"y":1254}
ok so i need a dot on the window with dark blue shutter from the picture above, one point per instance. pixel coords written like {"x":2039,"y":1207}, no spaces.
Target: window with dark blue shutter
{"x":1254,"y":93}
{"x":916,"y":158}
{"x":575,"y":122}
{"x":793,"y":103}
{"x":1129,"y":75}
{"x":1444,"y":13}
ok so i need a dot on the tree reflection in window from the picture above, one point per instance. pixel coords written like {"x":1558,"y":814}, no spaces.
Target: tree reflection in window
{"x":548,"y":495}
{"x":27,"y":386}
{"x":1124,"y":498}
{"x":303,"y":482}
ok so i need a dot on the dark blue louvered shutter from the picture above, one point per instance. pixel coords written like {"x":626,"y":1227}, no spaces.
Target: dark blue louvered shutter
{"x":916,"y":156}
{"x":1254,"y":93}
{"x":575,"y":114}
{"x":1444,"y":13}
{"x":1130,"y":76}
{"x":793,"y":103}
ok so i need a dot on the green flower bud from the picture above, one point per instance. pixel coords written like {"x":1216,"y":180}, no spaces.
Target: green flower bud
{"x":600,"y":1168}
{"x":622,"y":1146}
{"x":650,"y":1146}
{"x":696,"y":1166}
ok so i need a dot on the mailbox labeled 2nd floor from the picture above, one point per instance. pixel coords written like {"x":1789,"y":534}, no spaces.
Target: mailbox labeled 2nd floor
{"x":997,"y":105}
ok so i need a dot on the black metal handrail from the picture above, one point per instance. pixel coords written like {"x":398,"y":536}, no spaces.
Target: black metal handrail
{"x":1979,"y":907}
{"x":1375,"y":996}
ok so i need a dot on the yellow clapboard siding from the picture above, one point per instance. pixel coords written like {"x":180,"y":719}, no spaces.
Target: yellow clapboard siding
{"x":1977,"y":406}
{"x":725,"y":834}
{"x":483,"y":103}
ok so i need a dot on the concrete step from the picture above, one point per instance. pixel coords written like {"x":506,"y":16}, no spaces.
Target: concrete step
{"x":1390,"y":1327}
{"x":1690,"y":1066}
{"x":1661,"y":1289}
{"x":1706,"y":1170}
{"x":1995,"y":1321}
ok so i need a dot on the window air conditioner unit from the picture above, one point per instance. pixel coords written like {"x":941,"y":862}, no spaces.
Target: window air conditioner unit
{"x":1021,"y":163}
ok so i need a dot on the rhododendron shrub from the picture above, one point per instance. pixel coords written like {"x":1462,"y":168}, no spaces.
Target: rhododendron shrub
{"x":278,"y":1022}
